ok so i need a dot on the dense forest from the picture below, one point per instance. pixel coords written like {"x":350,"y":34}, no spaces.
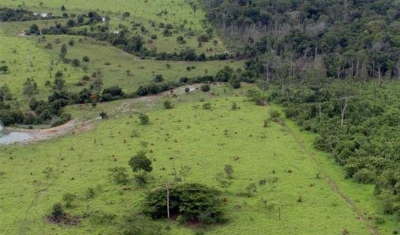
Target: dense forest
{"x":332,"y":65}
{"x":340,"y":39}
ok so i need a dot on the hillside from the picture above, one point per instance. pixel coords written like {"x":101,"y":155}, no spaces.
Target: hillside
{"x":165,"y":117}
{"x":308,"y":39}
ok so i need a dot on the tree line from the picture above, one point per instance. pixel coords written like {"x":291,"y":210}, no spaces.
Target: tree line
{"x":124,"y":39}
{"x":44,"y":111}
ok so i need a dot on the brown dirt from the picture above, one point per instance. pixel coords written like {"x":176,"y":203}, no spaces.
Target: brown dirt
{"x":76,"y":127}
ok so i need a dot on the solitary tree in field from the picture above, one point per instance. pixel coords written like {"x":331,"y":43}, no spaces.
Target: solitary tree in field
{"x":140,"y":163}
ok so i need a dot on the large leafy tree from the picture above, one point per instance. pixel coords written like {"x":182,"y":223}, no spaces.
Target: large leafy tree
{"x":140,"y":163}
{"x":191,"y":202}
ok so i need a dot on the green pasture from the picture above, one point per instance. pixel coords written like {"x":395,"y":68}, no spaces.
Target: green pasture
{"x":28,"y":57}
{"x":185,"y":21}
{"x":204,"y":140}
{"x":177,"y":10}
{"x":304,"y":192}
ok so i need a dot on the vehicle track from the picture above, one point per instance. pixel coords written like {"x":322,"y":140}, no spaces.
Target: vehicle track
{"x":334,"y":186}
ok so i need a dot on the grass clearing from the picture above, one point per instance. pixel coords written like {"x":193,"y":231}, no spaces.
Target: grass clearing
{"x":32,"y":60}
{"x":294,"y":191}
{"x":187,"y":135}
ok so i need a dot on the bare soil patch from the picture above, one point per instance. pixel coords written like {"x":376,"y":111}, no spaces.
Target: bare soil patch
{"x":76,"y":127}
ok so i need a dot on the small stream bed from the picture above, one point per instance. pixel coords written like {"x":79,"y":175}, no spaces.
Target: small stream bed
{"x":12,"y":137}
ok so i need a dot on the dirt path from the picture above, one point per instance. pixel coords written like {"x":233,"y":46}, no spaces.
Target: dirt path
{"x":77,"y":126}
{"x":334,"y":186}
{"x":22,"y":34}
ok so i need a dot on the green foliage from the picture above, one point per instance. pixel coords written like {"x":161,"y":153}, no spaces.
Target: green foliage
{"x":76,"y":63}
{"x":205,"y":88}
{"x":140,"y":162}
{"x":112,"y":93}
{"x":192,"y":202}
{"x":338,"y":41}
{"x":225,"y":75}
{"x":234,"y":106}
{"x":118,"y":175}
{"x":63,"y":49}
{"x":274,"y":115}
{"x":4,"y":68}
{"x":181,"y":40}
{"x":357,"y":131}
{"x":144,"y":119}
{"x":206,"y":105}
{"x":158,"y":78}
{"x":142,"y":179}
{"x":58,"y":83}
{"x":85,"y":58}
{"x":103,"y":115}
{"x":254,"y":95}
{"x":168,"y":104}
{"x":29,"y":87}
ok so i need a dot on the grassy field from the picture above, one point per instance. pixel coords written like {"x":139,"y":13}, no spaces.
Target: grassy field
{"x":177,"y":10}
{"x":28,"y":57}
{"x":304,"y":193}
{"x":204,"y":140}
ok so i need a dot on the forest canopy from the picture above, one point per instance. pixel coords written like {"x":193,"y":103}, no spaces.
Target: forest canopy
{"x":339,"y":39}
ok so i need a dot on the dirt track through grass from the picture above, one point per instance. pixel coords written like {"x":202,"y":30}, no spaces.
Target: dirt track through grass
{"x":334,"y":186}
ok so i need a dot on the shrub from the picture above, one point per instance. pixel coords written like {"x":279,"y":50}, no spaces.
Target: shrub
{"x":234,"y":106}
{"x":190,"y":202}
{"x":144,"y":119}
{"x":274,"y":115}
{"x":168,"y":104}
{"x":207,"y":105}
{"x":205,"y":87}
{"x":103,"y":115}
{"x":118,"y":175}
{"x":203,"y":38}
{"x":181,"y":40}
{"x":158,"y":78}
{"x":75,"y":63}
